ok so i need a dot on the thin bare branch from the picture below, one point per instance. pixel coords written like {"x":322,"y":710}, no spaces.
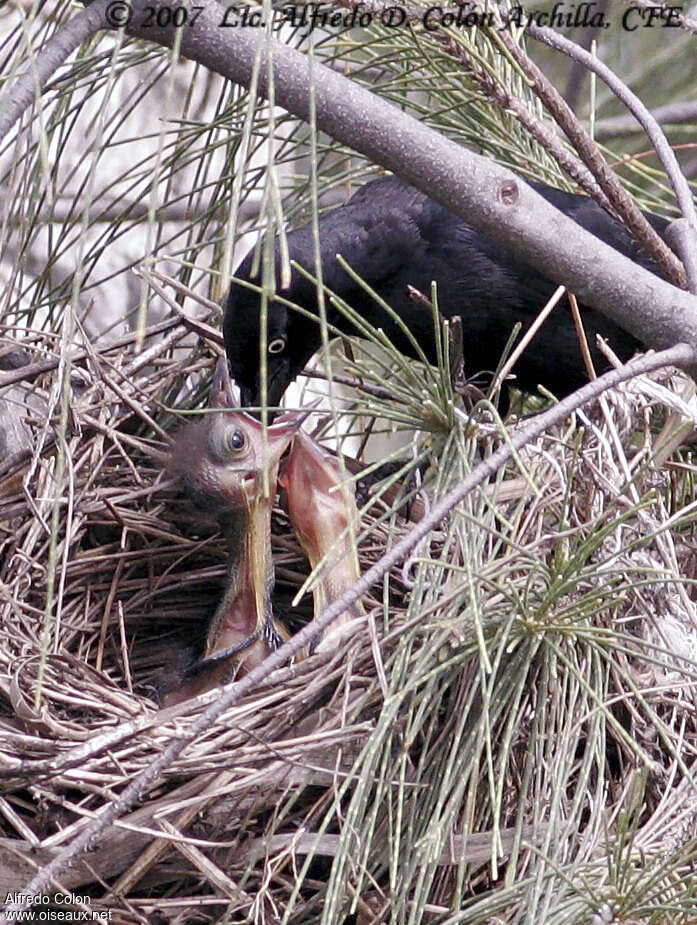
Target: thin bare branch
{"x":665,"y":153}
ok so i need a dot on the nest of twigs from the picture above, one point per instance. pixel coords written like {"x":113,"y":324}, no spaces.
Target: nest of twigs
{"x":522,"y":694}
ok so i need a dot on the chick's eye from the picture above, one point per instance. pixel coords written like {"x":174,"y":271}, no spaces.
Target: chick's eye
{"x":235,"y":441}
{"x":277,"y":345}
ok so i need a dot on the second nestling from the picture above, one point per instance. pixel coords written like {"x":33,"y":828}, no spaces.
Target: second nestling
{"x":323,"y":513}
{"x":229,"y":467}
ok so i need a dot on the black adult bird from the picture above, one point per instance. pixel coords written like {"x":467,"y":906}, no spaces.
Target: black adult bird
{"x":393,"y":237}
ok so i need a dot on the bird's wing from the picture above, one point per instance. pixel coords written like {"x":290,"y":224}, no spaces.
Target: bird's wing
{"x":380,"y":229}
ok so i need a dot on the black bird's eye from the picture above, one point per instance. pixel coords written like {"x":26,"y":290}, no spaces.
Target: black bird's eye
{"x":277,"y":345}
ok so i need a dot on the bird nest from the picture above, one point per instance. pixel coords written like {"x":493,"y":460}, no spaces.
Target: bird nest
{"x":394,"y":770}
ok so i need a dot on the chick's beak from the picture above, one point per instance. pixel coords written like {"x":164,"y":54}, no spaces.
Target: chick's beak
{"x":273,"y":443}
{"x":222,"y":394}
{"x":317,"y":513}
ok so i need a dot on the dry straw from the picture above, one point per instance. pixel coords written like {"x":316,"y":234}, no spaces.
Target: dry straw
{"x":513,"y":723}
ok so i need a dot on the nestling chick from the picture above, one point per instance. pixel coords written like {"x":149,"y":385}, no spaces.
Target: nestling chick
{"x":228,"y":465}
{"x":322,"y":513}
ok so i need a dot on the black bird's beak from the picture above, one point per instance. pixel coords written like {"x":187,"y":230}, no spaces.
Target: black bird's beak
{"x":279,"y":378}
{"x":248,"y":397}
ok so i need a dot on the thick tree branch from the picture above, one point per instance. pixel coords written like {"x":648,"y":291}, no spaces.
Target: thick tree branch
{"x":596,"y":178}
{"x":502,"y":96}
{"x":484,"y":194}
{"x":20,"y":93}
{"x":489,"y":197}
